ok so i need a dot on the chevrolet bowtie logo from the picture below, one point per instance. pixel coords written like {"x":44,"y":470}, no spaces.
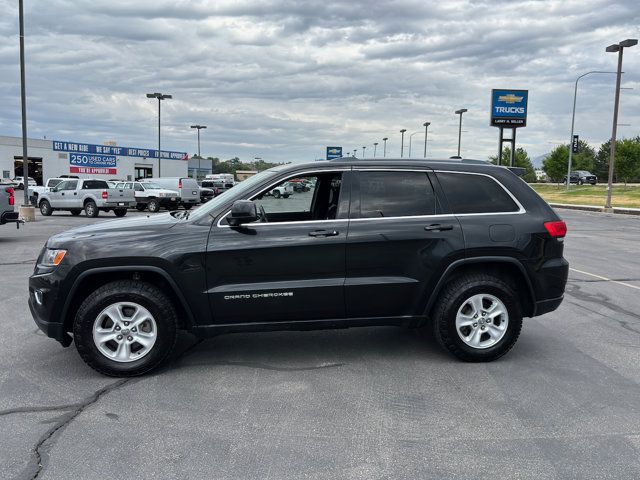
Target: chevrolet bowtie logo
{"x":510,"y":98}
{"x":334,"y":150}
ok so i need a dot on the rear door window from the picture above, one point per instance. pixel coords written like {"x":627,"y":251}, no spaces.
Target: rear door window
{"x":469,"y":193}
{"x":94,"y":185}
{"x":396,"y":194}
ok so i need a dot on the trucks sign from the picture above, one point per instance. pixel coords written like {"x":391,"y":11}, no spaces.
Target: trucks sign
{"x":509,"y":108}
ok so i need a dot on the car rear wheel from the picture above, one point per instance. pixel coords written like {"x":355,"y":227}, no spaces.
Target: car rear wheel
{"x":120,"y":212}
{"x":153,"y":206}
{"x":45,"y":208}
{"x":276,"y":194}
{"x":477,"y":318}
{"x":75,"y":212}
{"x":125,"y":328}
{"x":91,"y":209}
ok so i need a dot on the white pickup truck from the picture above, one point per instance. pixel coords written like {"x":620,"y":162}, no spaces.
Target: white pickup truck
{"x":35,"y":192}
{"x":151,"y":195}
{"x":90,"y":195}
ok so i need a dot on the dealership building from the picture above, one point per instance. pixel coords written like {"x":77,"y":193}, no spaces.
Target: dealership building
{"x":52,"y":158}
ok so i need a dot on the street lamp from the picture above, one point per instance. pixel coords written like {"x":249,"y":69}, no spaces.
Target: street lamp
{"x":355,"y":150}
{"x":23,"y":103}
{"x":363,"y":149}
{"x":573,"y":118}
{"x":426,"y":131}
{"x":411,"y":140}
{"x":160,"y":97}
{"x":199,"y":127}
{"x":375,"y":148}
{"x":619,"y":47}
{"x":384,"y":153}
{"x":460,"y":112}
{"x":402,"y":142}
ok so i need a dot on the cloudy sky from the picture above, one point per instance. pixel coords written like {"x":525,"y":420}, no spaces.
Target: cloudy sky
{"x":282,"y":79}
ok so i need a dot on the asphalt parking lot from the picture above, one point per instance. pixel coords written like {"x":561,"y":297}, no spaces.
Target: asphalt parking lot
{"x":358,"y":404}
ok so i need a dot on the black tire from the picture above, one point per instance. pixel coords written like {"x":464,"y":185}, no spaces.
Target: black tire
{"x":144,"y":294}
{"x":75,"y":212}
{"x":153,"y":206}
{"x":120,"y":212}
{"x":452,"y":298}
{"x":276,"y":194}
{"x":45,"y":208}
{"x":91,"y":209}
{"x":187,"y":206}
{"x":286,"y":195}
{"x":34,"y":199}
{"x":141,"y":207}
{"x":580,"y":182}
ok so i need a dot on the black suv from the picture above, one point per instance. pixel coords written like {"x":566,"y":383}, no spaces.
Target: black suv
{"x":581,"y":177}
{"x":462,"y":247}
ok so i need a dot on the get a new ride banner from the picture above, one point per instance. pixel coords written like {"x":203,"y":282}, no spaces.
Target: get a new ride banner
{"x":509,"y":108}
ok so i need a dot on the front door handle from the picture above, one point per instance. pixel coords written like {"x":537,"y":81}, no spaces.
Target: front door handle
{"x":323,"y":233}
{"x":437,"y":227}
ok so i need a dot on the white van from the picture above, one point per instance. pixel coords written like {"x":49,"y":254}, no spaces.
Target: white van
{"x":187,"y":188}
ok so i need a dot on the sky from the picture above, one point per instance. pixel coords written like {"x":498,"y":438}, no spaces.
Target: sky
{"x":281,"y":80}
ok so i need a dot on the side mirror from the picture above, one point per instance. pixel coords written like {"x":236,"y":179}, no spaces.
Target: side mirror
{"x":242,"y":211}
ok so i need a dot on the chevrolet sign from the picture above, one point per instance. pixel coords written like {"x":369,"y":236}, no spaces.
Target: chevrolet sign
{"x":334,"y":152}
{"x":509,"y":108}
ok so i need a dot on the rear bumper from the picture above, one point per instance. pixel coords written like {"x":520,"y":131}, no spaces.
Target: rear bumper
{"x":551,"y":280}
{"x":546,"y":306}
{"x":7,"y":217}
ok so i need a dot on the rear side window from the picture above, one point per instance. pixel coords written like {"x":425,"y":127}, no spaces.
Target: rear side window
{"x":468,"y":193}
{"x":94,"y":184}
{"x":395,"y":194}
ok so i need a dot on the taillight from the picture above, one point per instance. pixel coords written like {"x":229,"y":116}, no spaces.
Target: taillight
{"x":556,"y":229}
{"x":104,"y":195}
{"x":180,"y":184}
{"x":12,"y":198}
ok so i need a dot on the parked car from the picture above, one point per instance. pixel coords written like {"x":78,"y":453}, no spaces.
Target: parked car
{"x":90,"y":195}
{"x":187,"y":188}
{"x":7,"y":204}
{"x":218,"y":186}
{"x":461,"y":249}
{"x":35,"y":192}
{"x":19,"y":182}
{"x":151,"y":195}
{"x":581,"y":177}
{"x":285,"y":191}
{"x":206,"y":194}
{"x":299,"y":185}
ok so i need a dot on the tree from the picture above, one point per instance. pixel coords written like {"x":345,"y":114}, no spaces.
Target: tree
{"x":555,"y":165}
{"x":627,"y":164}
{"x":601,"y":163}
{"x":521,"y":160}
{"x":585,"y":158}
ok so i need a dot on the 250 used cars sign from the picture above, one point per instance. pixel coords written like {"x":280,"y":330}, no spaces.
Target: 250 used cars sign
{"x":92,"y":163}
{"x":509,"y":108}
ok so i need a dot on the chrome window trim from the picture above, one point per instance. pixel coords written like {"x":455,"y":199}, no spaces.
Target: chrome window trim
{"x":304,"y":172}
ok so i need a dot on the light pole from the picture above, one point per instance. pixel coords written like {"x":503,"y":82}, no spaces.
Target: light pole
{"x":460,"y":112}
{"x":198,"y":128}
{"x":402,"y":142}
{"x":363,"y":149}
{"x":426,"y":131}
{"x":573,"y":118}
{"x":411,"y":140}
{"x":160,"y":97}
{"x":384,"y":152}
{"x":23,"y":102}
{"x":616,"y":47}
{"x":355,"y":150}
{"x":375,"y":148}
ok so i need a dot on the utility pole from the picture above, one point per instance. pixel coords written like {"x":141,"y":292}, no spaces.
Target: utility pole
{"x":23,"y":101}
{"x":618,"y":47}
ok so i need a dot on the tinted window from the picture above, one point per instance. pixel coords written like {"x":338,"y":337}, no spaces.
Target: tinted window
{"x":395,"y":194}
{"x":94,"y":184}
{"x":475,"y":194}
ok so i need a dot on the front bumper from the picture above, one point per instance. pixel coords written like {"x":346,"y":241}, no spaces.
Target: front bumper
{"x":168,"y":201}
{"x":45,"y":305}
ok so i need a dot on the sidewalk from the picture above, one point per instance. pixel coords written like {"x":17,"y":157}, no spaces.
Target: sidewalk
{"x":594,"y":208}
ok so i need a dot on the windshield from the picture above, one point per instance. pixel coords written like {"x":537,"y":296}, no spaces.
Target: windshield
{"x":237,"y":191}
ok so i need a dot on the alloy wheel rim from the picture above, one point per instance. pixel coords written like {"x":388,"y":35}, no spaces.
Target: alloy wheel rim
{"x":124,"y":332}
{"x":482,"y":321}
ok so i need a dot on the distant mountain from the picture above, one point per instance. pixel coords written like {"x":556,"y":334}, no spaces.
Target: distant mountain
{"x":537,"y":161}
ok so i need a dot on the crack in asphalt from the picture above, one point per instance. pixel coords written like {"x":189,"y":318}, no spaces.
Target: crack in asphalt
{"x":263,"y":366}
{"x":601,"y":299}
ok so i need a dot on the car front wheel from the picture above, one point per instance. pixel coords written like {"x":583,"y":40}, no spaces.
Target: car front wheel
{"x":45,"y":208}
{"x":125,"y":328}
{"x":477,"y":318}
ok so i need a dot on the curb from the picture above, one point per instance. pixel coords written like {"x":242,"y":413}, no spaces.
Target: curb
{"x":593,"y":208}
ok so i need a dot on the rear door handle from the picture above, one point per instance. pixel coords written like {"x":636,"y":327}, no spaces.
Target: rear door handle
{"x":436,"y":227}
{"x":323,"y":233}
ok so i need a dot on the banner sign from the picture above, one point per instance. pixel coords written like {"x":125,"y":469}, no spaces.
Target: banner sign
{"x":94,"y":170}
{"x":73,"y":147}
{"x":334,"y":152}
{"x":574,"y":144}
{"x":91,"y":160}
{"x":509,"y":108}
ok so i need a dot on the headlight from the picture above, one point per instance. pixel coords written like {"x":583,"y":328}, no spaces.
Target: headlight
{"x":52,"y":258}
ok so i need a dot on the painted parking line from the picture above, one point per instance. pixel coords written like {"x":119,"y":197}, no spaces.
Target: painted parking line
{"x":605,"y":278}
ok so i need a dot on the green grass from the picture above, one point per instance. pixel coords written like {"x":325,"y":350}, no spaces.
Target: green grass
{"x":590,"y":195}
